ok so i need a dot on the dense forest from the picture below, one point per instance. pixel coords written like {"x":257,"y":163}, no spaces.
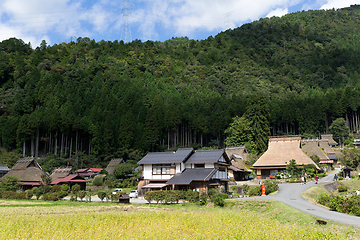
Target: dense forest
{"x":106,"y":98}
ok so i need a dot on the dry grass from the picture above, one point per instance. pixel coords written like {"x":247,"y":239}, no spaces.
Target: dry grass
{"x":249,"y":220}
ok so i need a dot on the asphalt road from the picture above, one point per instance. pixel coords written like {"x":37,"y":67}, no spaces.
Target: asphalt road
{"x":290,"y":194}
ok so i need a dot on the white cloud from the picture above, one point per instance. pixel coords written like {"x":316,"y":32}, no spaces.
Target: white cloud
{"x":339,"y":4}
{"x":278,"y":12}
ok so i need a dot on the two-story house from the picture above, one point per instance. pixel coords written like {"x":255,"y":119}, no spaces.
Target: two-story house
{"x":184,"y":169}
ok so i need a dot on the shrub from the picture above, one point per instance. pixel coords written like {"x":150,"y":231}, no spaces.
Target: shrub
{"x":342,"y":188}
{"x":148,"y":196}
{"x":29,"y":194}
{"x":88,"y":196}
{"x":13,"y":195}
{"x":50,"y":196}
{"x":213,"y":191}
{"x":203,"y":198}
{"x":62,"y":194}
{"x":102,"y":195}
{"x":75,"y":188}
{"x":245,"y":188}
{"x":81,"y":195}
{"x":65,"y":187}
{"x":218,"y":200}
{"x":324,"y":199}
{"x":254,"y":191}
{"x":192,"y":196}
{"x":271,"y":186}
{"x":56,"y":188}
{"x":37,"y":192}
{"x":98,"y":181}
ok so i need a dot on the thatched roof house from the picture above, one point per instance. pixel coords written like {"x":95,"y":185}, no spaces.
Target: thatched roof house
{"x":280,"y":151}
{"x":311,"y":147}
{"x":28,"y":171}
{"x":112,"y":164}
{"x":61,"y":173}
{"x":330,"y":139}
{"x":238,"y":169}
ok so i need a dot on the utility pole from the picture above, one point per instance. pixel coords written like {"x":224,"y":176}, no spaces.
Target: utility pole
{"x":126,"y":31}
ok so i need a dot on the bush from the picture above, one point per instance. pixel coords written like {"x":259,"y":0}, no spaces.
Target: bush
{"x":192,"y":196}
{"x":29,"y":194}
{"x":203,"y":198}
{"x":270,"y":187}
{"x":213,"y":191}
{"x":342,"y":188}
{"x":98,"y":181}
{"x":81,"y":195}
{"x":102,"y":195}
{"x":75,"y":188}
{"x":324,"y":199}
{"x":245,"y":188}
{"x":62,"y":194}
{"x":51,"y":196}
{"x":37,"y":192}
{"x":56,"y":188}
{"x":12,"y":195}
{"x":254,"y":191}
{"x":65,"y":187}
{"x":218,"y":199}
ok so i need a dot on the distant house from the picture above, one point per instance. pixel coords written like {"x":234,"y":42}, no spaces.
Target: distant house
{"x":88,"y":172}
{"x":28,"y":171}
{"x":280,"y":151}
{"x":112,"y":164}
{"x":4,"y":170}
{"x":238,"y":169}
{"x":184,"y":169}
{"x":61,"y":173}
{"x":71,"y":180}
{"x":324,"y":144}
{"x":311,"y":147}
{"x":329,"y":138}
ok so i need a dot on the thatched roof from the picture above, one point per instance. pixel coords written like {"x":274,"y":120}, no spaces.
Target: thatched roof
{"x":330,"y":139}
{"x":311,"y":148}
{"x":280,"y":151}
{"x":27,"y":170}
{"x":324,"y":144}
{"x":238,"y":151}
{"x":61,"y":173}
{"x":112,"y":164}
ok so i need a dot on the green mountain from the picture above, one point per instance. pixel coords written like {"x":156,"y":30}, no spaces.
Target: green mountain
{"x":105,"y":98}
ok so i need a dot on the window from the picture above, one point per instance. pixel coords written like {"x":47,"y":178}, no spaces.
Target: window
{"x":161,"y":169}
{"x":199,"y":165}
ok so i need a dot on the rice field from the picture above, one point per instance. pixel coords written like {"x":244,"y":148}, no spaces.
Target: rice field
{"x":109,"y":221}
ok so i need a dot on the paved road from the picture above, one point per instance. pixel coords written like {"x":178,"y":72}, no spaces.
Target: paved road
{"x":290,"y":194}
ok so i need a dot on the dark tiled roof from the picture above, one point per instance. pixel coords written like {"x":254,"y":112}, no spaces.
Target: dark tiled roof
{"x":192,"y":174}
{"x":167,"y":157}
{"x":4,"y":168}
{"x":207,"y":156}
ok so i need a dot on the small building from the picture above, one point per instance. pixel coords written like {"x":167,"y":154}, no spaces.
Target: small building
{"x":238,"y":170}
{"x":347,"y":172}
{"x":28,"y":171}
{"x":4,"y":170}
{"x":281,"y":151}
{"x":88,"y":172}
{"x":61,"y":173}
{"x":71,"y":180}
{"x":329,"y":138}
{"x":356,"y":143}
{"x":112,"y":164}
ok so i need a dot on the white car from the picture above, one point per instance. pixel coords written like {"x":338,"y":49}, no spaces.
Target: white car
{"x":116,"y":190}
{"x":133,"y":194}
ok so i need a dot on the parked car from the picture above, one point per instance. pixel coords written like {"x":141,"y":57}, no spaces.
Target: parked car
{"x":116,"y":190}
{"x":133,"y":194}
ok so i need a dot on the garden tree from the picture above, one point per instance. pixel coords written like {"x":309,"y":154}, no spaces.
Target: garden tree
{"x":121,"y":171}
{"x":292,"y":167}
{"x":350,"y":157}
{"x":339,"y":129}
{"x":45,"y":186}
{"x":9,"y":183}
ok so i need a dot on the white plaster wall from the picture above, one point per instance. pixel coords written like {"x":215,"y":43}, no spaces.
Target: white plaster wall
{"x":209,"y":165}
{"x":147,"y":171}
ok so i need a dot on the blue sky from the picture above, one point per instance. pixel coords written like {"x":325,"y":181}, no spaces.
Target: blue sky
{"x":58,"y":21}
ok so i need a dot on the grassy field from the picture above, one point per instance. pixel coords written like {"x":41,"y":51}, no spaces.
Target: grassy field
{"x":244,"y":219}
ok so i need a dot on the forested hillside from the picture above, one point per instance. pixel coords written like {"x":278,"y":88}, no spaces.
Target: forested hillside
{"x":106,"y":98}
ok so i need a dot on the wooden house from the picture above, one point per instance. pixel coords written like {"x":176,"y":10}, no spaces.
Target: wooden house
{"x":184,"y":169}
{"x":61,"y":173}
{"x":71,"y":180}
{"x":238,"y":169}
{"x":280,"y":151}
{"x":112,"y":164}
{"x":329,"y":138}
{"x":28,"y":171}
